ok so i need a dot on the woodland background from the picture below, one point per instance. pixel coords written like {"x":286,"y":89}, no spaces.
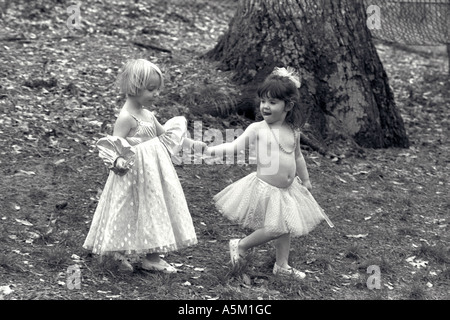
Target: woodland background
{"x":57,"y":97}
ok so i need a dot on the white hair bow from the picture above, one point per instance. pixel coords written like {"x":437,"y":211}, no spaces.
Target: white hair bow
{"x":288,"y":72}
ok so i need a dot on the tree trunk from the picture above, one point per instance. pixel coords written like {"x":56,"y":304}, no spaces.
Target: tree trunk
{"x":344,"y":84}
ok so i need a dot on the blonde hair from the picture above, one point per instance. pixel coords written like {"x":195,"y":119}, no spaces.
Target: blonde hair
{"x":139,"y":74}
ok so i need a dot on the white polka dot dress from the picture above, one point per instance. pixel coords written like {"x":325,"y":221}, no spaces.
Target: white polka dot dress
{"x":145,"y":210}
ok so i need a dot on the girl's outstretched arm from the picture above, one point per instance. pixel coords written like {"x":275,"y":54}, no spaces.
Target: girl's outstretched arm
{"x":240,"y":143}
{"x":187,"y":143}
{"x":301,"y":169}
{"x":194,"y":145}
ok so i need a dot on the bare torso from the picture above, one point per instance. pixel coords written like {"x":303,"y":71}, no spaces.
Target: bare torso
{"x":273,"y":165}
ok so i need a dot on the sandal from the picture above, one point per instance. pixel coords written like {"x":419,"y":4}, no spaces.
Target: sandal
{"x":234,"y":252}
{"x":160,"y":265}
{"x":125,"y":265}
{"x":289,"y":271}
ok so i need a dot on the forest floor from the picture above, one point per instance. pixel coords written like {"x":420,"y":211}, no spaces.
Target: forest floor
{"x":390,"y":207}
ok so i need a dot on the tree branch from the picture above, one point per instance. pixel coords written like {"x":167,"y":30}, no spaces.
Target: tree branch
{"x":151,"y":46}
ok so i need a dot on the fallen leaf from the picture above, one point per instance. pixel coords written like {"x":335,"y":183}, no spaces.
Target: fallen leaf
{"x":246,"y":279}
{"x":76,"y":258}
{"x":24,"y":222}
{"x":419,"y":263}
{"x":356,"y":235}
{"x":58,"y":162}
{"x":100,"y":291}
{"x":361,"y":172}
{"x":34,"y":235}
{"x":389,"y":286}
{"x":25,"y":173}
{"x":4,"y":290}
{"x":309,"y":271}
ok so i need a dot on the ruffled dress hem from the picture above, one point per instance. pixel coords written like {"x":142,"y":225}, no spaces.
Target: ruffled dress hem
{"x":255,"y":204}
{"x":161,"y":249}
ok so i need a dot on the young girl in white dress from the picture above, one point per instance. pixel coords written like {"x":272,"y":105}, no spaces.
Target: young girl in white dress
{"x":275,"y":200}
{"x":142,"y":209}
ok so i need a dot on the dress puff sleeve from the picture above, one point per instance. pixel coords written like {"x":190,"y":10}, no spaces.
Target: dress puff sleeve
{"x":112,"y":147}
{"x":174,"y":135}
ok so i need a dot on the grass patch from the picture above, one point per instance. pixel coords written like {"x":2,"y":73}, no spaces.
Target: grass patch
{"x":416,"y":292}
{"x":354,"y":252}
{"x":386,"y":266}
{"x":324,"y":263}
{"x":406,"y":231}
{"x":7,"y":262}
{"x":438,"y":253}
{"x":55,"y":257}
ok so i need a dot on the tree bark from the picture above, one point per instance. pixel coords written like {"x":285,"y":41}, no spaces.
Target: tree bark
{"x":344,"y":86}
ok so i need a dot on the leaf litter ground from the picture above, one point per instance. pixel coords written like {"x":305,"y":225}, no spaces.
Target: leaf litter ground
{"x":390,"y":207}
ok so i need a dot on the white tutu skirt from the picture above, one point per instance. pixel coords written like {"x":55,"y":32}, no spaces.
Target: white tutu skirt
{"x":143,"y":211}
{"x":255,"y":204}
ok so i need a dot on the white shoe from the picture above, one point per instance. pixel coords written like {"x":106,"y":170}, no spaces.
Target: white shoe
{"x":289,"y":271}
{"x":234,"y":252}
{"x":160,"y":265}
{"x":125,"y":265}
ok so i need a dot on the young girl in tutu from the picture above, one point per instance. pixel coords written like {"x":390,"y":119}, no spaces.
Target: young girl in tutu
{"x":275,"y":200}
{"x":142,"y":209}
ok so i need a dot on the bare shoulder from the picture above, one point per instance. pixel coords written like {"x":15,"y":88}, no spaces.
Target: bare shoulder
{"x":255,"y":127}
{"x":124,"y":114}
{"x":125,"y":118}
{"x":252,"y":131}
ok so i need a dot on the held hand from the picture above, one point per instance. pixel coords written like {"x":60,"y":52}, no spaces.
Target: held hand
{"x":197,"y":145}
{"x":120,"y":166}
{"x":207,"y":152}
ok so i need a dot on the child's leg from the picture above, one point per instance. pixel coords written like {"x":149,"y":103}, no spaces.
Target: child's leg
{"x":282,"y":246}
{"x":256,"y":238}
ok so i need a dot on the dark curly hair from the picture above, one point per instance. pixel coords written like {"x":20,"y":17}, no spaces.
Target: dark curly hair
{"x":282,"y":88}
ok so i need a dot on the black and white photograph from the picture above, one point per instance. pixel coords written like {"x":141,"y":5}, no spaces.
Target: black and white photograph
{"x":224,"y":158}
